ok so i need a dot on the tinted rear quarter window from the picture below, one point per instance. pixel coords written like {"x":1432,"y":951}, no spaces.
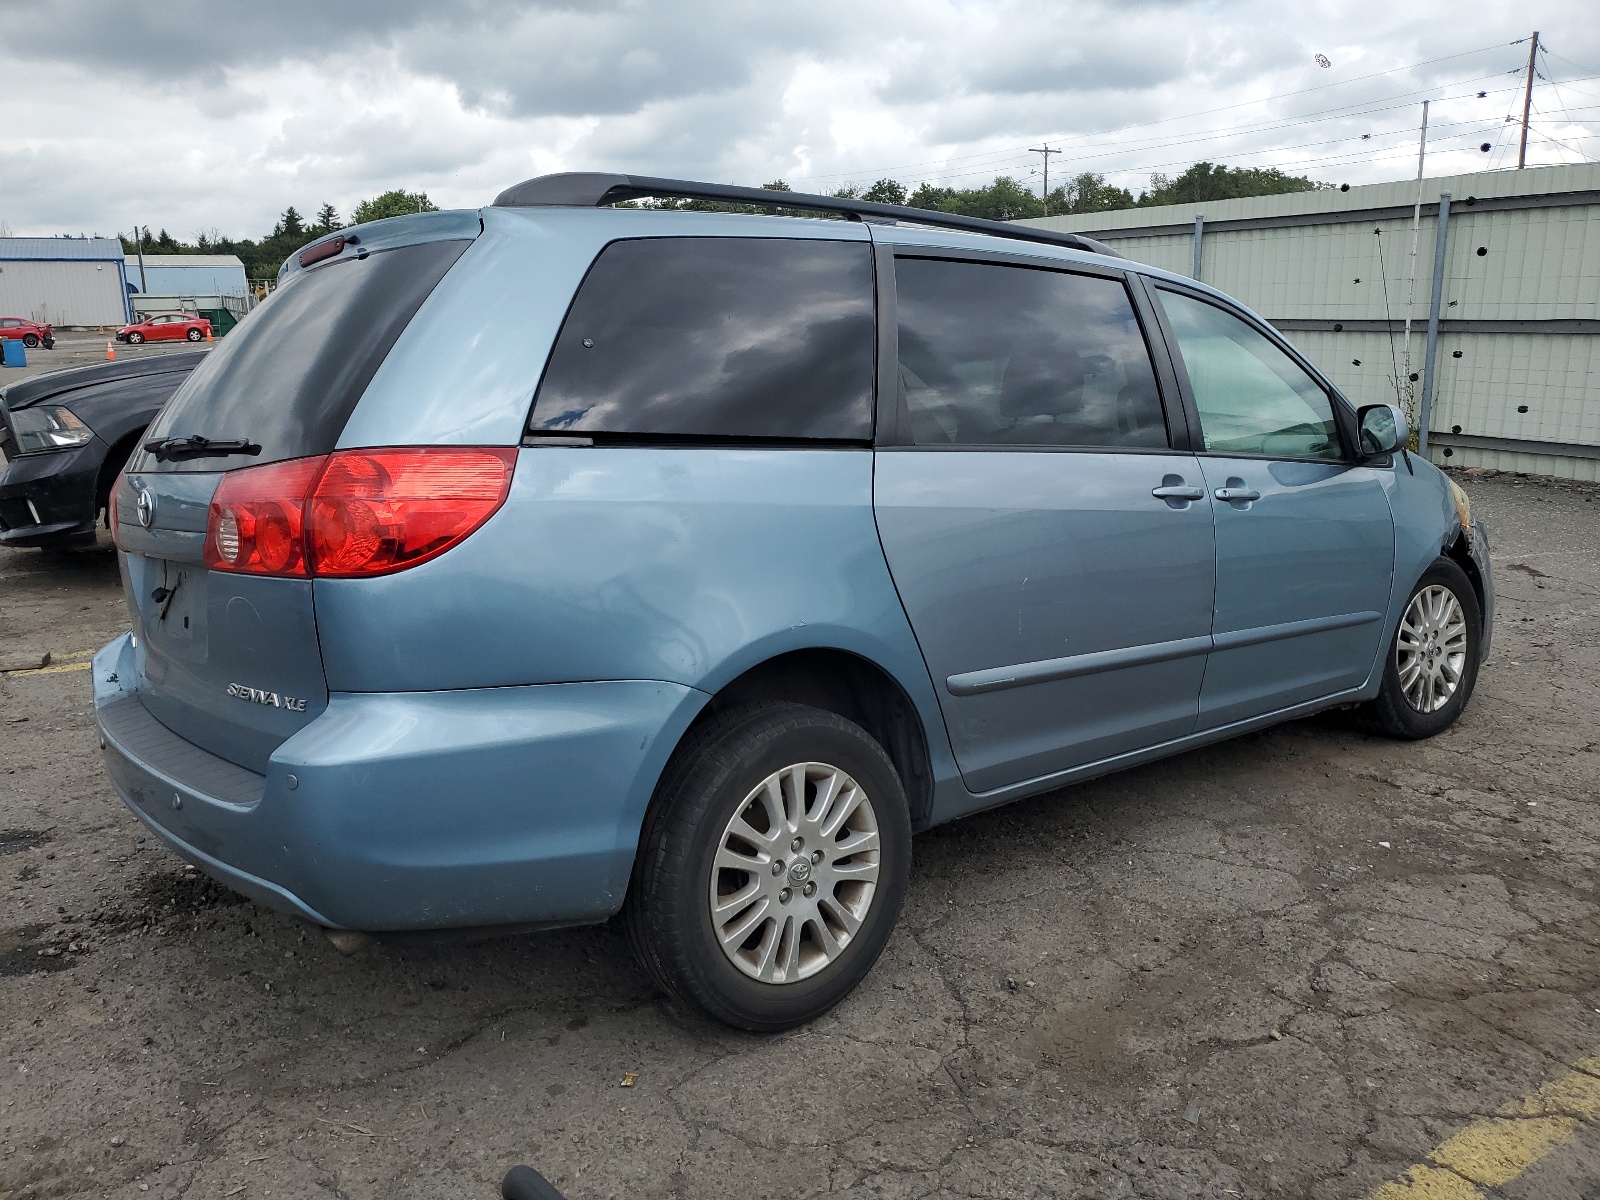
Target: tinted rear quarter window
{"x":738,"y":338}
{"x":995,"y":355}
{"x":289,"y":376}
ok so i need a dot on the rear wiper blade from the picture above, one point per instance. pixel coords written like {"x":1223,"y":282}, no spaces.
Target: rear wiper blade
{"x":197,"y":446}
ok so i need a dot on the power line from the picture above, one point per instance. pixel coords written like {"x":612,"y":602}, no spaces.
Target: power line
{"x":1170,"y":120}
{"x":1549,"y":53}
{"x":1476,"y":122}
{"x":1001,"y":159}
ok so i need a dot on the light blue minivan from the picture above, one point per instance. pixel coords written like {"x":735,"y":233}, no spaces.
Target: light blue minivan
{"x":517,"y":568}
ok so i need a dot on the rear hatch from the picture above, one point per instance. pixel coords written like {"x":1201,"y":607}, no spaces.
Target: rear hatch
{"x":231,"y":661}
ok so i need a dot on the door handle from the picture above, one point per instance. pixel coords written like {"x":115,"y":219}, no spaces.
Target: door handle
{"x":1237,"y":494}
{"x":1178,"y":493}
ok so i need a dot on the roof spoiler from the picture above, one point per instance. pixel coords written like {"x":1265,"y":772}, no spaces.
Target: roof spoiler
{"x":591,"y":189}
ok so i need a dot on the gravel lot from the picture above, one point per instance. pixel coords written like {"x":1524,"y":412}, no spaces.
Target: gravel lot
{"x":1287,"y":966}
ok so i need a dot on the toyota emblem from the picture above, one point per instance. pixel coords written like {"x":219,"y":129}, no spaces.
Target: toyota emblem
{"x":147,"y":507}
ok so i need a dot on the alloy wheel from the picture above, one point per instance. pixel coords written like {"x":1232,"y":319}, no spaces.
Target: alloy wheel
{"x":795,"y":873}
{"x":1431,"y":650}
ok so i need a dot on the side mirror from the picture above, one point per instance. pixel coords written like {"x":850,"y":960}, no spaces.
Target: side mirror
{"x":1383,"y":430}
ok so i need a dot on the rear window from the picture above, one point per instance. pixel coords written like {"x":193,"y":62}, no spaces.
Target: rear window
{"x":757,"y":338}
{"x":290,"y":374}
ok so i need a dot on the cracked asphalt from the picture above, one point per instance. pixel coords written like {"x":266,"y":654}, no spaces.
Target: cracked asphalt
{"x":1209,"y":977}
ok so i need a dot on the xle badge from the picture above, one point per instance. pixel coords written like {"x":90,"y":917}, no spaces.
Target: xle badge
{"x":255,"y":695}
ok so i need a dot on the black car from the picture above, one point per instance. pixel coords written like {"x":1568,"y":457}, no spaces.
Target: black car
{"x":65,"y":437}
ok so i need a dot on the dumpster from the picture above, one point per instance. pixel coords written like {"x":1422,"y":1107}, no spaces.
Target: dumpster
{"x":221,"y":320}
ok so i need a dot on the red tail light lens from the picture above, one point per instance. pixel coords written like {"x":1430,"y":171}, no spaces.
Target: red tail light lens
{"x":376,"y":511}
{"x":356,"y":512}
{"x":257,"y":521}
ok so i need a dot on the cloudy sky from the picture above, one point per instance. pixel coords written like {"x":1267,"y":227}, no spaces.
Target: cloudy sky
{"x":199,"y":117}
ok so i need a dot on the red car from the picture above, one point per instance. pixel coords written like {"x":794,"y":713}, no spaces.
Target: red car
{"x":167,"y":327}
{"x":29,"y":333}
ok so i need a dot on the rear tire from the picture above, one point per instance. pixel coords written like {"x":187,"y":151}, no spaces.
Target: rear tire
{"x":1432,"y":664}
{"x":827,"y":832}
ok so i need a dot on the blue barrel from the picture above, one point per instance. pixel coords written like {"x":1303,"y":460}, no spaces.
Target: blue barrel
{"x":15,"y":353}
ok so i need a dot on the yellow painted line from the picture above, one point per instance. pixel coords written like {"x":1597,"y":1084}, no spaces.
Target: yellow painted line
{"x":54,"y":670}
{"x":76,"y":660}
{"x":1423,"y":1182}
{"x":1495,"y":1150}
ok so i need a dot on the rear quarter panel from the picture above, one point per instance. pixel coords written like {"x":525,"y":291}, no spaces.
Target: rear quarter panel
{"x":681,"y":565}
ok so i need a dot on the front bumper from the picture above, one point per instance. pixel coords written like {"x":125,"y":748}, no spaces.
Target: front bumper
{"x":48,"y":499}
{"x":516,"y":806}
{"x":1478,"y":551}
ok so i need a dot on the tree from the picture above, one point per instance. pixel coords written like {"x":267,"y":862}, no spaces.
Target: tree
{"x":1003,"y":200}
{"x":327,"y":220}
{"x":1207,"y":181}
{"x":1089,"y":193}
{"x":290,"y":224}
{"x":397,"y":203}
{"x":885,"y":191}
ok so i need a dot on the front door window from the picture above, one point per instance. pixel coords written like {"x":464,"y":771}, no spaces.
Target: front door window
{"x":1253,"y":398}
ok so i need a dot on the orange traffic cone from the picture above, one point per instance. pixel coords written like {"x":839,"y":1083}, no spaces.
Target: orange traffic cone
{"x":208,"y":333}
{"x":111,"y":353}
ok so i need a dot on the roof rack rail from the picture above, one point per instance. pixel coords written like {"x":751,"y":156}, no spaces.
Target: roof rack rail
{"x":591,"y":189}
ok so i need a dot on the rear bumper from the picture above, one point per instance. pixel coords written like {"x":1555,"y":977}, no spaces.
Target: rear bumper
{"x":47,"y":499}
{"x":410,"y":811}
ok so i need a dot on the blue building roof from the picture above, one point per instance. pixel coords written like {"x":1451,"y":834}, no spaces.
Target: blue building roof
{"x":60,"y":249}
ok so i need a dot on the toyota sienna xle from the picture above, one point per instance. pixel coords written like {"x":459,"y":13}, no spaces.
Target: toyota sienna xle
{"x":516,"y":568}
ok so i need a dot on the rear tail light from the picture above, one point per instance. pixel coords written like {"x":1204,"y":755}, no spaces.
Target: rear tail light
{"x":383,"y":510}
{"x":257,"y":521}
{"x":356,"y":512}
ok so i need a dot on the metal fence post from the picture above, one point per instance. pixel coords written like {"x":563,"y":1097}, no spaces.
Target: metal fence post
{"x":1440,"y":242}
{"x":1199,"y":237}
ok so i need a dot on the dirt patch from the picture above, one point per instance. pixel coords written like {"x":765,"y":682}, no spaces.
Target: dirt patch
{"x":25,"y":949}
{"x":15,"y":841}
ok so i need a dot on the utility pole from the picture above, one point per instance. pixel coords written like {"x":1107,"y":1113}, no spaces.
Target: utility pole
{"x":1527,"y":103}
{"x":1416,"y":225}
{"x":138,"y":245}
{"x":1047,"y":150}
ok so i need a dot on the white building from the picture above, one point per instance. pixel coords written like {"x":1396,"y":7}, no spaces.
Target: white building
{"x":186,"y":275}
{"x":63,"y":281}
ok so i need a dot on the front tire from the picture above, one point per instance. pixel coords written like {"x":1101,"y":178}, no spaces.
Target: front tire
{"x":1432,"y":663}
{"x":771,"y":867}
{"x":135,"y":338}
{"x":194,"y":335}
{"x":30,"y":340}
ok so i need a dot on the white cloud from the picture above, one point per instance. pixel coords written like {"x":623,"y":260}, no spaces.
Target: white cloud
{"x":133,"y":111}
